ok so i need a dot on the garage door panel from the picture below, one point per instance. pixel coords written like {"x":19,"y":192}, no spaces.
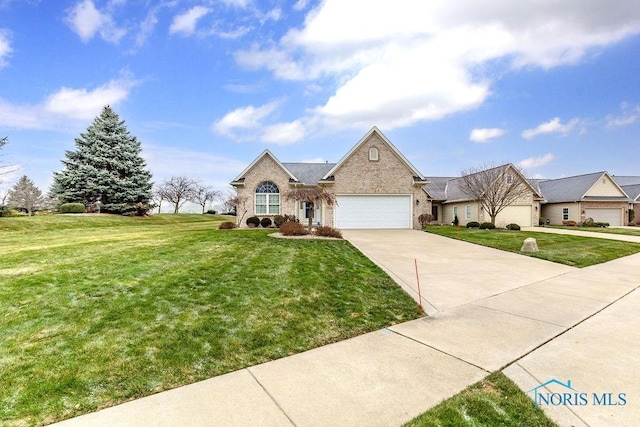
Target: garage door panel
{"x":612,"y":216}
{"x":520,"y":215}
{"x":387,"y":211}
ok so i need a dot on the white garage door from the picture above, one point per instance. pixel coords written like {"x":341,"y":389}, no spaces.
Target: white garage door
{"x":612,"y":216}
{"x":520,"y":215}
{"x":373,"y":212}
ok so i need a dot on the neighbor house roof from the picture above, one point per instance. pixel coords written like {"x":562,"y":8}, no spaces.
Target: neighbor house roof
{"x":626,"y":180}
{"x":633,"y":191}
{"x":574,"y":188}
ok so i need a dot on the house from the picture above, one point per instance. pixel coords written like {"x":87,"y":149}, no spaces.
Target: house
{"x":576,"y":198}
{"x":374,"y":184}
{"x":451,"y":198}
{"x":631,"y":186}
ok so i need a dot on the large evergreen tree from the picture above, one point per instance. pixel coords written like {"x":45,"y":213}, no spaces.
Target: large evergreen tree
{"x":105,"y":168}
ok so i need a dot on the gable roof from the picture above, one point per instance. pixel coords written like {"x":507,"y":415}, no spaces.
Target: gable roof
{"x":626,"y":180}
{"x":308,"y":173}
{"x":633,"y":191}
{"x":374,"y":130}
{"x":452,"y":191}
{"x":239,"y":180}
{"x":575,"y":188}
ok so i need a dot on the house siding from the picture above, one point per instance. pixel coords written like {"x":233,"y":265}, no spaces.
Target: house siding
{"x":389,"y":175}
{"x":604,"y":187}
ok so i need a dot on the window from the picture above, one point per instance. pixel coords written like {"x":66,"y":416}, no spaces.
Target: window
{"x":468,"y":212}
{"x":565,"y":214}
{"x":373,"y":154}
{"x":455,"y":212}
{"x":267,"y":199}
{"x":509,"y":179}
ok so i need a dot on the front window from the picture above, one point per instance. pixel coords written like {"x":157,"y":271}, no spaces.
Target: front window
{"x":455,"y":212}
{"x":565,"y":214}
{"x":468,"y":212}
{"x":267,"y":199}
{"x":509,"y":179}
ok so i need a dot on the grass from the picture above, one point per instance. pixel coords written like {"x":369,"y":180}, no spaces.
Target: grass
{"x":98,"y":310}
{"x":576,"y":251}
{"x":494,"y":401}
{"x":625,"y":231}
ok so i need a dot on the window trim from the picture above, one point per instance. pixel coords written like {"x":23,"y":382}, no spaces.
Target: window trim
{"x":565,"y":214}
{"x":270,"y":192}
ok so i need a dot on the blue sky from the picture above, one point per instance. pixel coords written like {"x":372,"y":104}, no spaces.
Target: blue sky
{"x":206,"y":86}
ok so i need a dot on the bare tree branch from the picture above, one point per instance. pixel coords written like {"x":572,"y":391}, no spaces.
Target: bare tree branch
{"x":311,"y":195}
{"x":203,"y":194}
{"x":177,"y":190}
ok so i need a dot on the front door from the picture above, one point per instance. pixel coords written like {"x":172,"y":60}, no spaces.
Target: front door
{"x":309,"y":210}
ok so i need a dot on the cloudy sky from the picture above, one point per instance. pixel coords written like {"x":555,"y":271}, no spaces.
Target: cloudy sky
{"x":550,"y":85}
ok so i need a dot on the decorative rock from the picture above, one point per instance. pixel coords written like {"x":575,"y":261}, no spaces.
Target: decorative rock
{"x":529,"y":245}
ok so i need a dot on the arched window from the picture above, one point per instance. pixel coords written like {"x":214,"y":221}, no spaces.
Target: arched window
{"x":373,"y":154}
{"x":267,"y":199}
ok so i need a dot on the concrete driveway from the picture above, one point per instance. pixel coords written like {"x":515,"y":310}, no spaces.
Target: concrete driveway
{"x":452,"y":273}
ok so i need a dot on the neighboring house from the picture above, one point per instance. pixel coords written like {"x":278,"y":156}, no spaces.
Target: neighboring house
{"x":450,"y":200}
{"x":576,"y":198}
{"x":374,"y":184}
{"x":631,"y":186}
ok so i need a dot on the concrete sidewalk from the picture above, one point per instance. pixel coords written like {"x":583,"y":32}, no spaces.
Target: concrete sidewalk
{"x":490,"y":309}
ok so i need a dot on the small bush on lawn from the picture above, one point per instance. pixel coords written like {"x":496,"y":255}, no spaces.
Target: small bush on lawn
{"x":512,"y":226}
{"x":487,"y":226}
{"x":72,"y":208}
{"x":328,"y":232}
{"x":253,"y":220}
{"x":293,"y":229}
{"x":570,"y":223}
{"x":227,"y":225}
{"x":425,"y":219}
{"x":541,"y":221}
{"x":601,"y":224}
{"x":473,"y":224}
{"x":265,"y":222}
{"x":211,"y":212}
{"x":589,"y":222}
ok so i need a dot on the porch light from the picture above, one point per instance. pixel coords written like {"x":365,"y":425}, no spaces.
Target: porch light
{"x":417,"y":202}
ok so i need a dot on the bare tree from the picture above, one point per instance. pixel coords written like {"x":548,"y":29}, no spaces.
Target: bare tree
{"x":494,"y":188}
{"x":312,"y":196}
{"x":203,"y":194}
{"x":227,"y":200}
{"x":239,"y":203}
{"x":5,"y":169}
{"x":177,"y":190}
{"x":25,"y":195}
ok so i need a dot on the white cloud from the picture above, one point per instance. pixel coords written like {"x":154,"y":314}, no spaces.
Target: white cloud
{"x":242,"y":119}
{"x":284,"y":133}
{"x":185,"y":23}
{"x":630,"y":114}
{"x":5,"y":47}
{"x":300,"y":5}
{"x":552,"y":126}
{"x":74,"y":105}
{"x":536,"y":162}
{"x":86,"y":21}
{"x":484,"y":134}
{"x":402,"y":62}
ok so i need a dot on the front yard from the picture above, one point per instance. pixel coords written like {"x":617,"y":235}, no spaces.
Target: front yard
{"x":98,"y":310}
{"x":576,"y":251}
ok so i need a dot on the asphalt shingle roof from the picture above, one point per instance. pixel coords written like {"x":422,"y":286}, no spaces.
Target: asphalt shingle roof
{"x":308,"y":173}
{"x":570,"y":189}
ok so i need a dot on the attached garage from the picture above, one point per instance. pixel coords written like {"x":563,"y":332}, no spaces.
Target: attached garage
{"x":521,"y":215}
{"x":369,"y":211}
{"x":612,"y":215}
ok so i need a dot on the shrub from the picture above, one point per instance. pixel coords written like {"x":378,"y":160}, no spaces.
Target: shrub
{"x":293,"y":229}
{"x":487,"y":226}
{"x":278,"y":220}
{"x":4,"y":211}
{"x":632,"y":215}
{"x":328,"y":232}
{"x":211,"y":212}
{"x":473,"y":224}
{"x":541,"y":221}
{"x":265,"y":222}
{"x":513,"y":226}
{"x":137,"y":209}
{"x":570,"y":223}
{"x":227,"y":225}
{"x":425,"y":219}
{"x":253,"y":220}
{"x":601,"y":224}
{"x":72,"y":208}
{"x":589,"y":222}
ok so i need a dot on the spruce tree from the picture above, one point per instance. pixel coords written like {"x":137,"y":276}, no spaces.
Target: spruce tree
{"x":105,"y":168}
{"x":25,"y":195}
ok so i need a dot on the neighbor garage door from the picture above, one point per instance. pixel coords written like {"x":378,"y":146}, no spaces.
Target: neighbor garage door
{"x":373,"y":211}
{"x":612,"y":216}
{"x":520,"y":215}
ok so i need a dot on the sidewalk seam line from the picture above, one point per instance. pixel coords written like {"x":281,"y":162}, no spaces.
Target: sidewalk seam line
{"x":271,"y":397}
{"x":439,"y":351}
{"x":568,"y":329}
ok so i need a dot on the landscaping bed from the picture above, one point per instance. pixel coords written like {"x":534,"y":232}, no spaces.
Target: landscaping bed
{"x":95,"y":311}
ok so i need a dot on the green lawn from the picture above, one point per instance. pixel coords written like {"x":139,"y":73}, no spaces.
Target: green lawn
{"x":576,"y":251}
{"x":97,"y":310}
{"x":627,"y":231}
{"x":494,"y":401}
